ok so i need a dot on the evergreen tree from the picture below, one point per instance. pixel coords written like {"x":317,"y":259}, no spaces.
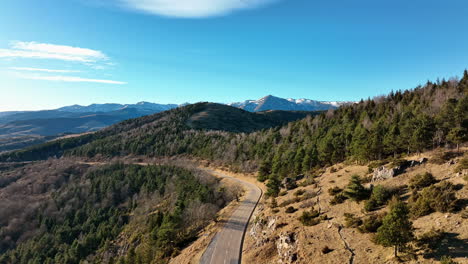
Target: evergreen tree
{"x":396,"y":229}
{"x":264,"y":171}
{"x":355,"y":190}
{"x":298,"y":160}
{"x":457,"y":135}
{"x":359,"y":145}
{"x":273,"y":185}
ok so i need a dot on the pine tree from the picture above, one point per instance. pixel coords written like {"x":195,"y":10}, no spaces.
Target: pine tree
{"x":298,"y":159}
{"x":396,"y":229}
{"x":264,"y":171}
{"x":457,"y":135}
{"x":273,"y":186}
{"x":360,"y":144}
{"x":355,"y":190}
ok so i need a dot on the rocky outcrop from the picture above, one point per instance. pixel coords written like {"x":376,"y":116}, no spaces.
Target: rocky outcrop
{"x":383,"y":173}
{"x":262,"y":229}
{"x":286,"y":245}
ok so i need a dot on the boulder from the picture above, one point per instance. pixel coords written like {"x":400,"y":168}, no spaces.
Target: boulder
{"x":383,"y":173}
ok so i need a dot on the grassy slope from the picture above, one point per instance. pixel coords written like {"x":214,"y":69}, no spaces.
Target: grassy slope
{"x":312,"y":239}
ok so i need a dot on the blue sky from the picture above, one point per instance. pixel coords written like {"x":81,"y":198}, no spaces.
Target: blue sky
{"x":56,"y":52}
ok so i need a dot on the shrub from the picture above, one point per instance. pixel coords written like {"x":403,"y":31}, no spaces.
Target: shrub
{"x":275,"y":211}
{"x":290,"y":201}
{"x":352,"y":221}
{"x":333,"y":170}
{"x":307,"y":181}
{"x":299,"y":192}
{"x":308,"y":195}
{"x":326,"y":250}
{"x":283,"y":193}
{"x":447,"y":260}
{"x":371,"y":224}
{"x":309,"y":218}
{"x":379,"y":197}
{"x":274,"y":203}
{"x":439,"y":198}
{"x":334,"y":191}
{"x":422,"y":180}
{"x":338,"y":199}
{"x":462,"y":164}
{"x":290,"y":210}
{"x":443,"y":156}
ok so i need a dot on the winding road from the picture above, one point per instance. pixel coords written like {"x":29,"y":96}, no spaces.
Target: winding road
{"x":226,"y":245}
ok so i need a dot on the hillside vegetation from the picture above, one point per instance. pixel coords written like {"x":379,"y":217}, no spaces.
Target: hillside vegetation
{"x":81,"y":212}
{"x":64,"y":212}
{"x":402,"y":122}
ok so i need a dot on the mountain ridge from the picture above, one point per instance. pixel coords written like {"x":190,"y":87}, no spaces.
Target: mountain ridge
{"x":271,"y":102}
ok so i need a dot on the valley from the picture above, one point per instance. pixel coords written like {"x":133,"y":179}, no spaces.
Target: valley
{"x":180,"y":186}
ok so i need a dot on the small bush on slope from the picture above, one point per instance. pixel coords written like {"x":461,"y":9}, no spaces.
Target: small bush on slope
{"x":379,"y":197}
{"x":422,"y":180}
{"x":310,"y":218}
{"x":436,"y":198}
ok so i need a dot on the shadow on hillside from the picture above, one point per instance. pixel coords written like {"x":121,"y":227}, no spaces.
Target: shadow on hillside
{"x":451,"y":246}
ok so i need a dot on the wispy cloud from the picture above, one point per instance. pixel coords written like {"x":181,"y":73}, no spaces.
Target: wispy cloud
{"x":40,"y":70}
{"x":94,"y":59}
{"x":60,"y":78}
{"x":192,"y":8}
{"x":34,"y":50}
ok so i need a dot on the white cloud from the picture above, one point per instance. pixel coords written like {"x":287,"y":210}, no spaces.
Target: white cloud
{"x":40,"y":70}
{"x":34,"y":50}
{"x":192,"y":8}
{"x":67,"y":79}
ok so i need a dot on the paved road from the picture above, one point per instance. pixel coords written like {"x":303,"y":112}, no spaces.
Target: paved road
{"x":226,"y":246}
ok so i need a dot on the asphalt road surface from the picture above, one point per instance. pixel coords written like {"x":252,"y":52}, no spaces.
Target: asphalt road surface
{"x":226,"y":246}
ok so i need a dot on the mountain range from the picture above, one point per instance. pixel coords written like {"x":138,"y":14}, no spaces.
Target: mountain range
{"x":271,"y":102}
{"x":22,"y":128}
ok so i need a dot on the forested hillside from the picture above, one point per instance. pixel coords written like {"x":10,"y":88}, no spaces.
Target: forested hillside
{"x":66,"y":212}
{"x":162,"y":134}
{"x":402,"y":122}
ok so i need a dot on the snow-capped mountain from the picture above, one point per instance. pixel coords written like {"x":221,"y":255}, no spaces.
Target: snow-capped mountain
{"x":271,"y":102}
{"x":94,"y":108}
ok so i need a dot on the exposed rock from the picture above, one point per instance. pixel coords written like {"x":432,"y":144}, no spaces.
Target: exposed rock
{"x":383,"y":173}
{"x":262,"y":229}
{"x":287,"y":248}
